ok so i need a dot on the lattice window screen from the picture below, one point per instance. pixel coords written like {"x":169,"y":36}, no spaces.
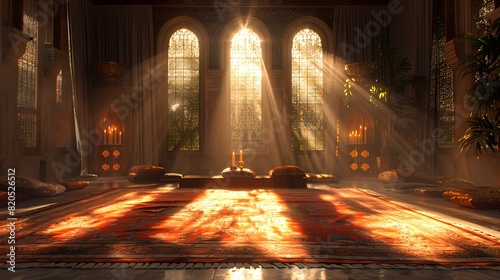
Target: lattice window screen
{"x":442,"y":107}
{"x":307,"y":91}
{"x":183,"y":91}
{"x":246,"y":91}
{"x":27,"y":119}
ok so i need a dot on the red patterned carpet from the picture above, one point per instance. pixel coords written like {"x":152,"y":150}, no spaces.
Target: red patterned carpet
{"x":283,"y":225}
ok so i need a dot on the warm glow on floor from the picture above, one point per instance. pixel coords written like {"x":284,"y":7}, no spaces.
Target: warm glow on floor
{"x":249,"y":226}
{"x":77,"y":225}
{"x":401,"y":229}
{"x":216,"y":215}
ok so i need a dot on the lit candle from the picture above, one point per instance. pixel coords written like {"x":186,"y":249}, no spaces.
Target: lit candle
{"x":365,"y":136}
{"x":241,"y":155}
{"x":120,"y":138}
{"x":110,"y":138}
{"x":114,"y":135}
{"x":105,"y":134}
{"x":233,"y":159}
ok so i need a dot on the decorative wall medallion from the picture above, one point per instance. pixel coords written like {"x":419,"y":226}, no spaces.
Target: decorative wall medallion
{"x":105,"y":167}
{"x":354,"y":166}
{"x":105,"y":153}
{"x":353,"y":153}
{"x":365,"y":154}
{"x":365,"y":166}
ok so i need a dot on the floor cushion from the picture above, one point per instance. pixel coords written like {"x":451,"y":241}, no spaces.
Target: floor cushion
{"x":453,"y":182}
{"x":74,"y":184}
{"x":32,"y":187}
{"x":287,"y":171}
{"x":478,"y":201}
{"x":144,"y":174}
{"x":407,"y":187}
{"x":486,"y":190}
{"x":393,"y":176}
{"x":238,"y":173}
{"x":410,"y":175}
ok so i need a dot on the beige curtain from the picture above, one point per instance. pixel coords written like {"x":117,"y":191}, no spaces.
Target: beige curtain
{"x":123,"y":34}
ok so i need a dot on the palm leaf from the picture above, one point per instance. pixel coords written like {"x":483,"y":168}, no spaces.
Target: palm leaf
{"x":482,"y":133}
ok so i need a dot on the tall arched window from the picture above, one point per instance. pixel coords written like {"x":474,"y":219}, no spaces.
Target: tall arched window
{"x":307,"y":91}
{"x":183,"y":91}
{"x":246,"y":90}
{"x":27,"y":115}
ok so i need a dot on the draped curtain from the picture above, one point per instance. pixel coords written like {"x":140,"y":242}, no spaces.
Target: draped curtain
{"x":123,"y":34}
{"x":357,"y":31}
{"x":79,"y":20}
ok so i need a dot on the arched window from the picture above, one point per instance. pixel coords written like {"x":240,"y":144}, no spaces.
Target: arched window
{"x":246,"y":90}
{"x":27,"y":115}
{"x":183,"y":131}
{"x":307,"y":91}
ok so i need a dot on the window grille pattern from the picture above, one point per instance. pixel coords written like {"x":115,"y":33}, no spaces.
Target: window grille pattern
{"x":442,"y":107}
{"x":183,"y":132}
{"x":307,"y":91}
{"x":62,"y":114}
{"x":27,"y":119}
{"x":246,"y":91}
{"x":479,"y":8}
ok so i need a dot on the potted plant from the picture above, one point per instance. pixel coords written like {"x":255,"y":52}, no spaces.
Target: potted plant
{"x":483,"y":97}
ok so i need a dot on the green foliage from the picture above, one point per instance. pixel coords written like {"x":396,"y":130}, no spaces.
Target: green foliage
{"x":482,"y":133}
{"x":483,"y":97}
{"x":392,"y":90}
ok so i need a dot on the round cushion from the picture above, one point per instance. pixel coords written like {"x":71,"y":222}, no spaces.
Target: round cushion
{"x":144,"y":174}
{"x":287,"y":171}
{"x":390,"y":176}
{"x":238,"y":173}
{"x":74,"y":184}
